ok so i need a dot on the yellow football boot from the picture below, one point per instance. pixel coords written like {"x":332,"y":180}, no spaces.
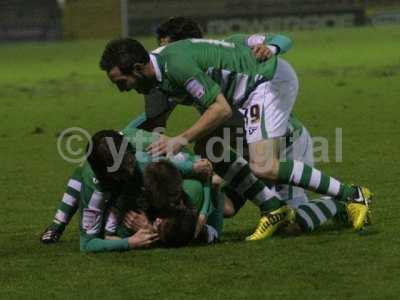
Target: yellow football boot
{"x":358,"y":209}
{"x":357,"y":214}
{"x":271,"y":221}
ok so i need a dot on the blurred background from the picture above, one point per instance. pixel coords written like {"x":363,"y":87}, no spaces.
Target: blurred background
{"x":41,"y":20}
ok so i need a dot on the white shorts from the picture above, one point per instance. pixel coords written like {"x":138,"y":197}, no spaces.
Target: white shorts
{"x":268,"y":107}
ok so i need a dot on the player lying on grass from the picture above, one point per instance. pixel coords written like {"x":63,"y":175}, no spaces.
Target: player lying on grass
{"x":218,"y":75}
{"x":298,"y":145}
{"x":165,"y":190}
{"x":127,"y":182}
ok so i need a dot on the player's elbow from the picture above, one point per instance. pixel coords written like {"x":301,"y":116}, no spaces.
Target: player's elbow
{"x":84,"y":245}
{"x":226,"y":112}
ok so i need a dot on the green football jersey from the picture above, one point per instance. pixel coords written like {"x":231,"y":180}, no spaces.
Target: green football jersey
{"x":94,"y":201}
{"x":201,"y":69}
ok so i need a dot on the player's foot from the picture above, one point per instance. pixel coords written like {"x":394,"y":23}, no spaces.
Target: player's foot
{"x":270,"y":222}
{"x":358,"y":209}
{"x":52,"y":233}
{"x":357,"y":214}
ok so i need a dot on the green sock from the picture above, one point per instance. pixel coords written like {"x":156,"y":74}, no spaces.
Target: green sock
{"x":70,"y":201}
{"x":299,"y":174}
{"x":317,"y":212}
{"x":238,"y":175}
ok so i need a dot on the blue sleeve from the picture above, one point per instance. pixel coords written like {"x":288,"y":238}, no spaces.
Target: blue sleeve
{"x":207,"y":208}
{"x":136,"y":123}
{"x":281,"y":41}
{"x":216,"y":218}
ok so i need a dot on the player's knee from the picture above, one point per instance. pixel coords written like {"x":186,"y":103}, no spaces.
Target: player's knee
{"x":266,"y":169}
{"x":229,"y":209}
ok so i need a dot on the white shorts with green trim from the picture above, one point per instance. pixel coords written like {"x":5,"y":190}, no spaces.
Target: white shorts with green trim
{"x":267,"y":109}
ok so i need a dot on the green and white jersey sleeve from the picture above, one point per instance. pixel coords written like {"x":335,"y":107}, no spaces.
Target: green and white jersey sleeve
{"x":207,"y":202}
{"x":141,"y":139}
{"x":92,"y":209}
{"x":92,"y":204}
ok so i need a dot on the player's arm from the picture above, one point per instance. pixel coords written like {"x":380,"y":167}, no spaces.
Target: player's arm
{"x":188,"y":76}
{"x":206,"y":207}
{"x":217,"y":113}
{"x":92,"y":207}
{"x":263,"y":45}
{"x":91,"y":239}
{"x":157,"y":111}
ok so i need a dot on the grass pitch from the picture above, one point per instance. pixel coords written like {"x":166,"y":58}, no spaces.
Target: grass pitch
{"x":349,"y":79}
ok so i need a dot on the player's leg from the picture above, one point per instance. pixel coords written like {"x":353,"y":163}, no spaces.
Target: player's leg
{"x":317,"y":212}
{"x":66,"y":209}
{"x":267,"y":117}
{"x":276,"y":96}
{"x":240,"y":182}
{"x":298,"y":173}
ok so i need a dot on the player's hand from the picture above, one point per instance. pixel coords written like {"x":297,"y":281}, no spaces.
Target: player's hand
{"x":144,"y":238}
{"x":262,"y":52}
{"x":167,"y":146}
{"x":203,"y":168}
{"x":136,"y":221}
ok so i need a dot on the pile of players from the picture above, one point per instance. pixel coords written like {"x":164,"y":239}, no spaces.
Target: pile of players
{"x":140,"y":189}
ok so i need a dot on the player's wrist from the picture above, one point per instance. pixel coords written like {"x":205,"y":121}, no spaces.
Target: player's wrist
{"x":186,"y":138}
{"x":132,"y":242}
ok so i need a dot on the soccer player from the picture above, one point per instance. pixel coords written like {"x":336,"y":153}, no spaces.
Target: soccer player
{"x":158,"y":106}
{"x":163,"y":186}
{"x":92,"y":192}
{"x":219,"y":75}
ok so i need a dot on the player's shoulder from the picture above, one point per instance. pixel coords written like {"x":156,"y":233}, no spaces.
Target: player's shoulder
{"x":89,"y":178}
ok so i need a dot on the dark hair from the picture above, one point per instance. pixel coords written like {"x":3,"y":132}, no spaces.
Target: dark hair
{"x":178,"y":230}
{"x":100,"y":159}
{"x":179,"y":28}
{"x":123,"y":53}
{"x":162,"y":187}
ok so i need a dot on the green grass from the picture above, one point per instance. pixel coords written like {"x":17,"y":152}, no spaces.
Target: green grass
{"x":349,"y":79}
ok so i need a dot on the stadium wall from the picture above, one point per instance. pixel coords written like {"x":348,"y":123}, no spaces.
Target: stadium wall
{"x":37,"y":20}
{"x":218,"y":17}
{"x":91,"y":19}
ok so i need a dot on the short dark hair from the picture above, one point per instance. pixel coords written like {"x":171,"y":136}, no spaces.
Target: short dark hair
{"x":100,"y":158}
{"x":162,"y":187}
{"x":179,"y":230}
{"x":123,"y":53}
{"x":179,"y":28}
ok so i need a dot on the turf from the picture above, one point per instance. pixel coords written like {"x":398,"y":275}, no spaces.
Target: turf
{"x":349,"y":80}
